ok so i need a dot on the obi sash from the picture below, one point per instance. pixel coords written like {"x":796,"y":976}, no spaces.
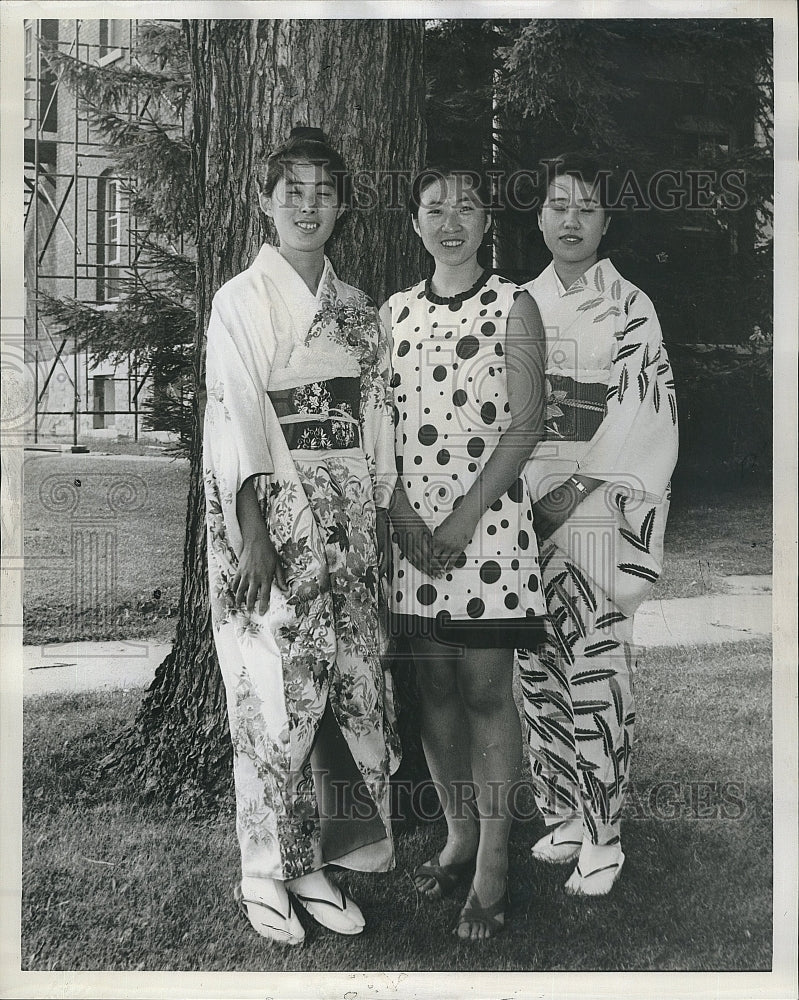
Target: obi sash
{"x":320,"y":415}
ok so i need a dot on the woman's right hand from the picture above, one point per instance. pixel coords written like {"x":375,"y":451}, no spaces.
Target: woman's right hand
{"x":259,"y":565}
{"x":414,"y":538}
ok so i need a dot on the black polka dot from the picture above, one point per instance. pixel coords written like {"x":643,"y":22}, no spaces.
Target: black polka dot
{"x":459,"y":397}
{"x":516,"y":492}
{"x":488,"y":413}
{"x":426,"y":594}
{"x":488,"y":296}
{"x":404,"y":314}
{"x":514,"y":564}
{"x":490,"y":571}
{"x":468,"y":347}
{"x":504,"y":523}
{"x":475,"y":608}
{"x":403,"y":348}
{"x":455,"y":306}
{"x":442,"y":457}
{"x":524,"y":540}
{"x":417,"y":459}
{"x":439,"y":373}
{"x":472,"y":467}
{"x":498,"y":349}
{"x":511,"y":601}
{"x":395,"y":380}
{"x":491,"y":529}
{"x":427,"y":434}
{"x":460,"y":562}
{"x":497,"y":505}
{"x":532,"y":583}
{"x":488,"y":329}
{"x":476,"y":447}
{"x":399,"y":596}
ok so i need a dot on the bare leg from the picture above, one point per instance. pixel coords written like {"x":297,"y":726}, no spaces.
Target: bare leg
{"x":446,"y":742}
{"x":484,"y":680}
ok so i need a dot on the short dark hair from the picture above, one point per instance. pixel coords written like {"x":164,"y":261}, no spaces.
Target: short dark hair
{"x":308,"y":145}
{"x":438,"y":171}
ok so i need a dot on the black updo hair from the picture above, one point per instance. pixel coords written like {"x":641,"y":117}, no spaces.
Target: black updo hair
{"x":594,"y":173}
{"x":433,"y":172}
{"x":587,"y":168}
{"x":308,"y":145}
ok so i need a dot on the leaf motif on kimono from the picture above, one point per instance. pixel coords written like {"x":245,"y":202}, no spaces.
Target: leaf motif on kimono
{"x":630,"y":300}
{"x":615,"y":691}
{"x":645,"y":363}
{"x":557,"y":699}
{"x":624,"y":381}
{"x":590,"y":707}
{"x":611,"y":311}
{"x":571,"y":605}
{"x":656,"y":397}
{"x":529,"y":677}
{"x":621,"y":501}
{"x":582,"y":585}
{"x":627,"y":350}
{"x":592,"y":676}
{"x":558,"y":763}
{"x":599,"y":280}
{"x":601,"y":647}
{"x":553,"y":725}
{"x":590,"y":304}
{"x":634,"y":569}
{"x":643,"y":384}
{"x":610,"y":619}
{"x":634,"y":324}
{"x":673,"y":408}
{"x":612,"y":391}
{"x":559,"y":675}
{"x":586,"y":735}
{"x":534,"y":724}
{"x":615,"y":289}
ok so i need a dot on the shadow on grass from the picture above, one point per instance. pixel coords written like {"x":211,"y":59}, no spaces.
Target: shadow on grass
{"x":109,"y":884}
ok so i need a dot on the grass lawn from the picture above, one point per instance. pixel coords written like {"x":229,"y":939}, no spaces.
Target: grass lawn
{"x":111,"y":885}
{"x":96,"y":572}
{"x":708,"y":538}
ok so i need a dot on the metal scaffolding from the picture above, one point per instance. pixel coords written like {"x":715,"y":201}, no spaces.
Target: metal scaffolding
{"x":64,"y":158}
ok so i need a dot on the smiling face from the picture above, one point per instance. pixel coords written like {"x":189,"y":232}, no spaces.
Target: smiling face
{"x":452,"y":220}
{"x":573,"y":223}
{"x":304,"y":207}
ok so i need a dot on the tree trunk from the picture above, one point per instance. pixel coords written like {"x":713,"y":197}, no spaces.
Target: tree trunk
{"x":362,"y":81}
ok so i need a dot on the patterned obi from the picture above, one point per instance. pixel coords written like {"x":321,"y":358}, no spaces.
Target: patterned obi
{"x":320,"y":415}
{"x":574,"y":409}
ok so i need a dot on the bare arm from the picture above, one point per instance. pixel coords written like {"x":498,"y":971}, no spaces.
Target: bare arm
{"x":525,"y":355}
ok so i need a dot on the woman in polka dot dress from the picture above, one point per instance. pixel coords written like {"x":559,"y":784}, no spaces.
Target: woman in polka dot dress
{"x":468,"y":378}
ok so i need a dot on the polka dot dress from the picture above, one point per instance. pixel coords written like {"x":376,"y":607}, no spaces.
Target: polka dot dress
{"x":451,"y":408}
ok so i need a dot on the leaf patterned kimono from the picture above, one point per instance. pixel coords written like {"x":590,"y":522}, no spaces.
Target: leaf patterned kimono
{"x":297,"y":399}
{"x":611,"y":416}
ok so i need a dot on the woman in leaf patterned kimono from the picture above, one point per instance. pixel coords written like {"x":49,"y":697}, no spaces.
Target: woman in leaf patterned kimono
{"x":299,"y":467}
{"x":600,"y":483}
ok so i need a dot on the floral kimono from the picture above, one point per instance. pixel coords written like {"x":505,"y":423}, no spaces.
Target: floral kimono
{"x":611,"y":416}
{"x":297,"y":399}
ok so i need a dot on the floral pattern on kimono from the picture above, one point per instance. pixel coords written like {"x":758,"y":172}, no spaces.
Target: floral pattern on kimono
{"x":311,"y":647}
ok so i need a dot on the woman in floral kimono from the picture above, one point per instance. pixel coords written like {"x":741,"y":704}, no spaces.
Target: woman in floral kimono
{"x":600,"y":483}
{"x":298,"y":467}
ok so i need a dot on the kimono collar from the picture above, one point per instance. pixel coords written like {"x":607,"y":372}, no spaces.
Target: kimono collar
{"x":300,"y":301}
{"x":598,"y":276}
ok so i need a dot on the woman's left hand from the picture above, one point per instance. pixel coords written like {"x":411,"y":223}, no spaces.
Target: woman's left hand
{"x":452,"y":536}
{"x":383,"y":531}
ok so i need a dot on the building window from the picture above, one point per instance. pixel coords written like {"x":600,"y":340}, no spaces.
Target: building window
{"x":104,"y":401}
{"x":30,"y":70}
{"x":110,"y":233}
{"x":111,"y":35}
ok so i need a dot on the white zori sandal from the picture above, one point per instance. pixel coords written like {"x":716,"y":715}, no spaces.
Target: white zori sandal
{"x":268,"y":907}
{"x":561,"y":844}
{"x":326,"y":903}
{"x":597,"y":870}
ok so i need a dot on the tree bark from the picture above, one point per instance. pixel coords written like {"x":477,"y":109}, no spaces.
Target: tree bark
{"x":363,"y":82}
